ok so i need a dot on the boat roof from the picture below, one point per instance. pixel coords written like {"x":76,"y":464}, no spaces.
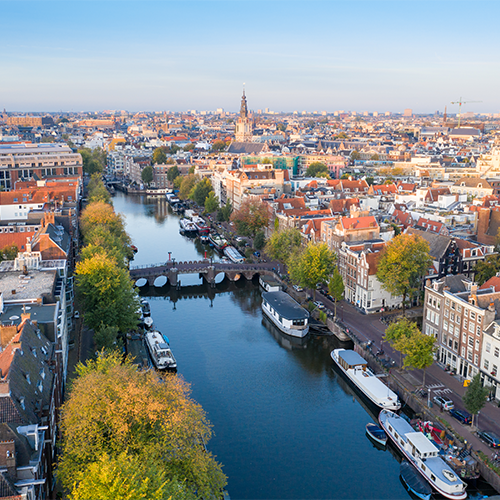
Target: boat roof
{"x":351,"y":357}
{"x":420,"y":442}
{"x":285,"y":305}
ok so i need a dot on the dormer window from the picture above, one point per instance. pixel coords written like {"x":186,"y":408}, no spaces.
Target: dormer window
{"x":28,"y":378}
{"x":21,"y":402}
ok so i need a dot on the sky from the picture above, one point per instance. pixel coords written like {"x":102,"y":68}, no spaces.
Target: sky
{"x":290,"y":55}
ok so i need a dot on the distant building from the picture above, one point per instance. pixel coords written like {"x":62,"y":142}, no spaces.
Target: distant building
{"x":408,"y":112}
{"x":244,"y":126}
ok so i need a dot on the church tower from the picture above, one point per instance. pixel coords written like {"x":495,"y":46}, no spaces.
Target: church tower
{"x":244,"y":127}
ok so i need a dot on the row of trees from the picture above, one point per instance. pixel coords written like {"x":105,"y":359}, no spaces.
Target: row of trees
{"x":94,"y":160}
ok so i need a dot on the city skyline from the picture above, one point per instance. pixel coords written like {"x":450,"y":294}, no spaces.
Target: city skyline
{"x":293,"y":56}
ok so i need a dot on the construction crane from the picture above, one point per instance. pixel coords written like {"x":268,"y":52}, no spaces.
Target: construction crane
{"x":460,"y":102}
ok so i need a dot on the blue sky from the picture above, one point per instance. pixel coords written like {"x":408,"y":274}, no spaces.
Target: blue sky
{"x":308,"y":55}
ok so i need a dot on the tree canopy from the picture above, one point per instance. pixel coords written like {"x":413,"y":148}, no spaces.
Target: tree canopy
{"x":259,"y":241}
{"x":224,"y":212}
{"x":218,"y":145}
{"x":187,"y":184}
{"x":487,"y":268}
{"x":475,"y":396}
{"x":147,"y":174}
{"x":97,"y":191}
{"x":317,"y":169}
{"x":159,"y":156}
{"x":251,"y":216}
{"x":136,"y":433}
{"x":93,"y":160}
{"x":172,"y":173}
{"x":9,"y":252}
{"x":403,"y":264}
{"x":200,"y":191}
{"x":211,"y":203}
{"x":336,"y":287}
{"x":314,"y":264}
{"x":282,"y":244}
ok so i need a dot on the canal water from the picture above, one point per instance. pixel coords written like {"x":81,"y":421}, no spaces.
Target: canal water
{"x":286,"y":424}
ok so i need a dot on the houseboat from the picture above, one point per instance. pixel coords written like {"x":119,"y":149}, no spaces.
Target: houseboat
{"x":423,"y":455}
{"x":269,"y":284}
{"x":159,"y":349}
{"x":285,"y":313}
{"x":217,"y":241}
{"x":355,"y":368}
{"x":187,"y":227}
{"x":233,"y":255}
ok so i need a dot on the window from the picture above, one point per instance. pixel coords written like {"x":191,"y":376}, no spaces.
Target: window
{"x":445,"y":325}
{"x":471,"y":327}
{"x":459,"y":308}
{"x":465,"y":323}
{"x":479,"y":319}
{"x":469,"y":356}
{"x":477,"y":344}
{"x":453,"y":305}
{"x":497,"y":352}
{"x":463,"y":352}
{"x":452,"y":316}
{"x":486,"y":364}
{"x":476,"y":359}
{"x":478,"y":330}
{"x":457,"y":319}
{"x":488,"y":347}
{"x":471,"y":341}
{"x":472,"y":315}
{"x":466,"y":312}
{"x":447,"y":302}
{"x":494,"y":370}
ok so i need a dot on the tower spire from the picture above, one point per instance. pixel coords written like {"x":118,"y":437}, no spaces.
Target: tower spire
{"x":243,"y":108}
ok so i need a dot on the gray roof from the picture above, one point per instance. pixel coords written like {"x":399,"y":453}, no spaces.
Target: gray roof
{"x":352,"y":357}
{"x":438,"y":244}
{"x":246,"y":147}
{"x":285,"y":305}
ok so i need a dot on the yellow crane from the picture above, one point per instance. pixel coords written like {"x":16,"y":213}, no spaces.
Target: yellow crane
{"x":460,"y":102}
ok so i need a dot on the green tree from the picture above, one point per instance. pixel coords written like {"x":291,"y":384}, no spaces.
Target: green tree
{"x":174,"y":149}
{"x":211,"y":203}
{"x":115,"y":414}
{"x":314,"y":264}
{"x":251,"y":216}
{"x":282,"y":244}
{"x":345,"y":176}
{"x":200,"y":191}
{"x":355,"y":155}
{"x":187,"y":184}
{"x":100,"y":240}
{"x":281,"y":127}
{"x":9,"y":252}
{"x":317,"y":169}
{"x":106,"y":338}
{"x":189,"y":147}
{"x":97,"y":191}
{"x":91,"y":163}
{"x":370,"y":181}
{"x":486,"y":269}
{"x":107,"y":293}
{"x":147,"y":174}
{"x":218,"y":145}
{"x":403,"y":264}
{"x":375,"y":157}
{"x":48,"y":138}
{"x":475,"y":396}
{"x":127,"y":477}
{"x":172,"y":173}
{"x":159,"y":156}
{"x":224,"y":213}
{"x":191,"y":169}
{"x":100,"y":213}
{"x":259,"y":241}
{"x":178,"y":182}
{"x":419,"y":349}
{"x":336,"y":287}
{"x":395,"y":332}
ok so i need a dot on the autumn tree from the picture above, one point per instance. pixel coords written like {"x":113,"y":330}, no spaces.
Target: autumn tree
{"x":187,"y":184}
{"x":107,"y":338}
{"x":218,"y":145}
{"x":251,"y":216}
{"x":317,"y":169}
{"x":282,"y":244}
{"x":396,"y":331}
{"x":189,"y":147}
{"x":147,"y":174}
{"x":211,"y":203}
{"x":97,"y":191}
{"x":403,"y":264}
{"x":314,"y":264}
{"x":107,"y":293}
{"x":336,"y":287}
{"x":200,"y":191}
{"x":475,"y":396}
{"x":116,"y":415}
{"x":9,"y":252}
{"x":159,"y":156}
{"x":100,"y":213}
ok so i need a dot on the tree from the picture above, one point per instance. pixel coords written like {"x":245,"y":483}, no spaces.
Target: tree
{"x":336,"y":287}
{"x":312,"y":265}
{"x":375,"y":157}
{"x":419,"y":349}
{"x":345,"y":176}
{"x":100,"y":213}
{"x":100,"y":240}
{"x":397,"y":331}
{"x":402,"y":265}
{"x":187,"y":184}
{"x":211,"y":203}
{"x":107,"y":293}
{"x":147,"y":174}
{"x":189,"y":147}
{"x":115,"y":414}
{"x":281,"y":127}
{"x":218,"y":145}
{"x":259,"y":241}
{"x":200,"y":191}
{"x":172,"y":173}
{"x":106,"y":338}
{"x":475,"y":396}
{"x":486,"y":269}
{"x":159,"y":156}
{"x":251,"y":216}
{"x":355,"y":155}
{"x":224,"y":213}
{"x":127,"y":477}
{"x":9,"y":252}
{"x":282,"y":244}
{"x":92,"y":162}
{"x":97,"y":191}
{"x":317,"y":169}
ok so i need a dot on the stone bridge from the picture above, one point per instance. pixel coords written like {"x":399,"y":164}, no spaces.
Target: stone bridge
{"x":205,"y":268}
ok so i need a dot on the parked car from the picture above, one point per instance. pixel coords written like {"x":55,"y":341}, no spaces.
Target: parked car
{"x":462,"y":416}
{"x":76,"y":315}
{"x":445,"y":404}
{"x":257,"y":254}
{"x":490,"y":438}
{"x":297,"y":288}
{"x":319,"y":304}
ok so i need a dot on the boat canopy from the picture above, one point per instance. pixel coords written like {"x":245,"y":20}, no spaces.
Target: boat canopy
{"x":424,"y":447}
{"x":351,"y":358}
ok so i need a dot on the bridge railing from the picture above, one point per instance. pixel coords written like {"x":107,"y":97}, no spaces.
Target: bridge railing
{"x":145,"y":266}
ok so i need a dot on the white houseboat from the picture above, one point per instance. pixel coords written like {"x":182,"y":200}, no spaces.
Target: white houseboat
{"x":269,"y":284}
{"x":423,"y":455}
{"x":233,"y":255}
{"x":356,"y":370}
{"x":286,"y":313}
{"x":160,"y":351}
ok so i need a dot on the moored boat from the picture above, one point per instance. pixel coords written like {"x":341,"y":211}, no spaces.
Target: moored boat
{"x":356,"y":370}
{"x":187,"y":227}
{"x":414,"y":482}
{"x":218,"y":242}
{"x":160,"y":351}
{"x":285,"y":313}
{"x":423,"y":455}
{"x":233,"y":255}
{"x":377,"y":434}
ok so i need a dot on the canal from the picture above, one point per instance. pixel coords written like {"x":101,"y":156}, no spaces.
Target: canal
{"x":286,"y":425}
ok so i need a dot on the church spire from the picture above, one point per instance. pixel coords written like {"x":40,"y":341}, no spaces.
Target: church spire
{"x":244,"y":109}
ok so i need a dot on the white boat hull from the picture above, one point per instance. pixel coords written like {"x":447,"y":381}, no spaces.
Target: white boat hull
{"x":293,"y":332}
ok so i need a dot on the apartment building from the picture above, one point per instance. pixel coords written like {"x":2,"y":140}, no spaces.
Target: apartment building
{"x":23,"y":161}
